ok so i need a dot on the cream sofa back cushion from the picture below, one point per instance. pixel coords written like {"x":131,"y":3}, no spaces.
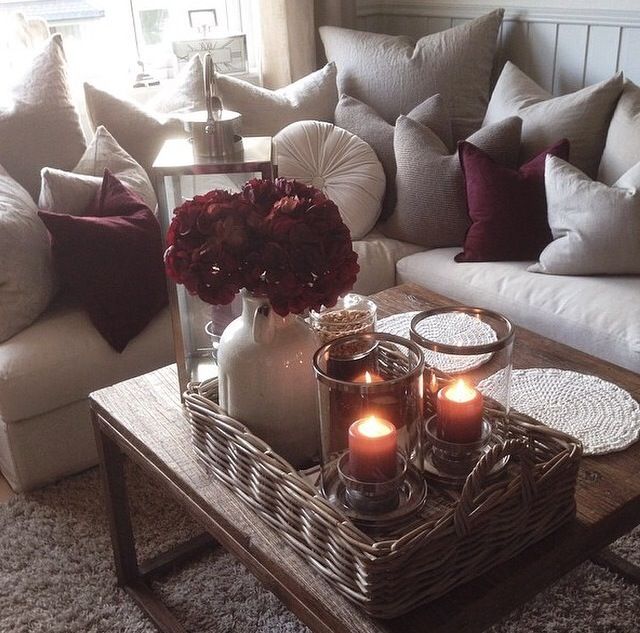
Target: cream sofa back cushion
{"x":26,"y":276}
{"x":41,"y":127}
{"x":582,"y":117}
{"x":393,"y":74}
{"x":72,"y":192}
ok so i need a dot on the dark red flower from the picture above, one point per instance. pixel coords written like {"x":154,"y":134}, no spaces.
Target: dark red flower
{"x":281,"y":239}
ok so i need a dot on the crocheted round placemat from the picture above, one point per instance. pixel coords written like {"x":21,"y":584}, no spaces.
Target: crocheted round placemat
{"x":452,"y":328}
{"x":604,"y":417}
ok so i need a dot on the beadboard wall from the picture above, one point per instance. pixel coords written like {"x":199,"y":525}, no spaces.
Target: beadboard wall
{"x":563,"y":48}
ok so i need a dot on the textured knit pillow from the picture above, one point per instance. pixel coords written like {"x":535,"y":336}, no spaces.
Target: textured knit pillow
{"x":393,"y":74}
{"x":26,"y":273}
{"x":582,"y":117}
{"x":622,"y":149}
{"x":41,"y":127}
{"x":596,"y":228}
{"x":72,"y":192}
{"x":111,"y":260}
{"x":507,"y":207}
{"x":266,"y":112}
{"x":142,"y":131}
{"x":338,"y":163}
{"x":432,"y":208}
{"x":365,"y":122}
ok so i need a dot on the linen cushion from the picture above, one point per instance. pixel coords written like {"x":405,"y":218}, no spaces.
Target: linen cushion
{"x":622,"y":148}
{"x":432,"y":208}
{"x":266,"y":112}
{"x":41,"y":127}
{"x":507,"y":207}
{"x":598,"y":315}
{"x":361,"y":119}
{"x":596,"y":228}
{"x":338,"y":163}
{"x":26,"y":278}
{"x":582,"y":117}
{"x":111,"y":260}
{"x":72,"y":192}
{"x":393,"y":74}
{"x":141,"y":131}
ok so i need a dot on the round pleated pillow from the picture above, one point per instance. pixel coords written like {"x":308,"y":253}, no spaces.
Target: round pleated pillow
{"x":340,"y":164}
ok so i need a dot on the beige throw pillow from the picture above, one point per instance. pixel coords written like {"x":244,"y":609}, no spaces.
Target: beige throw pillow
{"x":141,"y":131}
{"x":582,"y":117}
{"x":393,"y":74}
{"x":26,"y":272}
{"x":622,"y":148}
{"x":432,"y":207}
{"x":41,"y":127}
{"x":596,"y":228}
{"x":266,"y":112}
{"x":363,"y":121}
{"x":72,"y":192}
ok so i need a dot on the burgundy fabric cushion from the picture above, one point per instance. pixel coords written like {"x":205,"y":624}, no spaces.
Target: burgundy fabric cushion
{"x":111,"y":260}
{"x":507,"y":207}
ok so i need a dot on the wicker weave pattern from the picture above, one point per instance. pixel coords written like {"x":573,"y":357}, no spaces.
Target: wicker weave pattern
{"x":488,"y":525}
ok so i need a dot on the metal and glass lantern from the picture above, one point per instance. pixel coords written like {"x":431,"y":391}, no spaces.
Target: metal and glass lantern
{"x":468,"y":360}
{"x":370,"y":389}
{"x":179,"y":175}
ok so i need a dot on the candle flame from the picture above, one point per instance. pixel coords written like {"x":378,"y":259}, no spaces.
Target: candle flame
{"x":460,"y":392}
{"x":367,"y":378}
{"x":375,"y":427}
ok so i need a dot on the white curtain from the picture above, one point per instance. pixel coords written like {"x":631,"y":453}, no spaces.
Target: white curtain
{"x":290,"y":46}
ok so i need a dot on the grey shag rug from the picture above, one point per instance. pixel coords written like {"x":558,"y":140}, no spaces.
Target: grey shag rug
{"x":56,"y":575}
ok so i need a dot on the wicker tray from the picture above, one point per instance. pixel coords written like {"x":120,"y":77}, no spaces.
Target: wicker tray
{"x":456,"y":538}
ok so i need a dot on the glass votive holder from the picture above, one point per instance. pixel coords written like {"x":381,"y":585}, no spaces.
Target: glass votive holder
{"x":370,"y":418}
{"x":352,"y":314}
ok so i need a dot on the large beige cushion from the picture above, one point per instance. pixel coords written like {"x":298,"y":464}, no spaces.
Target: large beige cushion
{"x":141,"y":131}
{"x":582,"y":117}
{"x":393,"y":74}
{"x":41,"y":127}
{"x":361,"y":119}
{"x":432,"y":205}
{"x":338,"y":163}
{"x":622,"y":149}
{"x":598,"y":315}
{"x":64,"y":356}
{"x":72,"y":192}
{"x":266,"y":112}
{"x":596,"y":228}
{"x":26,"y":277}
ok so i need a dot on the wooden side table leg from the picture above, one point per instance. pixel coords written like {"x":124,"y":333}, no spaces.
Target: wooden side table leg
{"x":117,"y":504}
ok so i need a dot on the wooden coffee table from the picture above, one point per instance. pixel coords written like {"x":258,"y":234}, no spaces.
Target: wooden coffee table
{"x":143,"y":420}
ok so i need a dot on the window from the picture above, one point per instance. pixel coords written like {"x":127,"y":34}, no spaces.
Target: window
{"x":105,"y":39}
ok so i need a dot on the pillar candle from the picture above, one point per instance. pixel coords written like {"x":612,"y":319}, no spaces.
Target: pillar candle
{"x":459,"y":409}
{"x":372,"y":449}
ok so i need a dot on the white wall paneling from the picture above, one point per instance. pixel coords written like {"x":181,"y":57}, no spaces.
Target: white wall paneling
{"x":563,"y":49}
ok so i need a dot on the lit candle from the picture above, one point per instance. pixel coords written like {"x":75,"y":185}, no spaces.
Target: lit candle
{"x":459,"y":409}
{"x":372,"y":449}
{"x":368,"y":378}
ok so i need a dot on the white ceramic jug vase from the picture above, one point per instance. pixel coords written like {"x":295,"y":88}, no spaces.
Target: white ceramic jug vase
{"x":266,"y":378}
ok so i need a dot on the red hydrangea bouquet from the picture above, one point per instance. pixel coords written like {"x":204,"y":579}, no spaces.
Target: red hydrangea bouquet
{"x":279,"y":239}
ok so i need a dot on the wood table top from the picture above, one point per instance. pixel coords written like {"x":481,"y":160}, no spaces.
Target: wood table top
{"x":145,"y":416}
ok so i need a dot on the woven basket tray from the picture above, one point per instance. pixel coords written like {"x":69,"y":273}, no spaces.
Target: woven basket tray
{"x":456,"y":538}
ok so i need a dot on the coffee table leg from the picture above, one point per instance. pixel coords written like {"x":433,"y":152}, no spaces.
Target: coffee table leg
{"x":608,"y":559}
{"x":122,"y":540}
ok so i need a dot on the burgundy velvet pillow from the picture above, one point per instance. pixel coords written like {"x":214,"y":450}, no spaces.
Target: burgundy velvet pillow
{"x":111,"y":260}
{"x":507,"y":207}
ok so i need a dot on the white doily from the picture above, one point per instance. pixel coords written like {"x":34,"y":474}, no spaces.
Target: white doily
{"x":451,"y":328}
{"x":600,"y":414}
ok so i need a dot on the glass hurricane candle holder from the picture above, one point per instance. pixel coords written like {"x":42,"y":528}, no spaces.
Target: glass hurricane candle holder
{"x":468,"y":372}
{"x":371,"y":413}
